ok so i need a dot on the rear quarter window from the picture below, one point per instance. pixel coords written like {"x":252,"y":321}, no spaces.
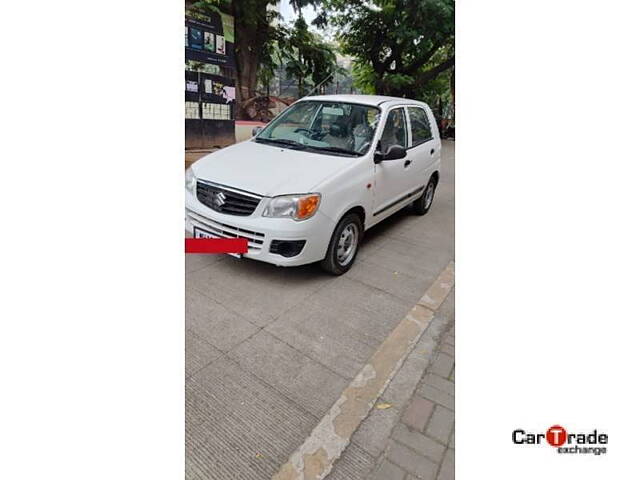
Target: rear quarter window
{"x":420,"y":126}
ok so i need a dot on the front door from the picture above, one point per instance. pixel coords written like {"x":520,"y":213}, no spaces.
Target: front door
{"x":392,"y":177}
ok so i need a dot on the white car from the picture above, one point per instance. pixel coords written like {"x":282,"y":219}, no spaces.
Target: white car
{"x":306,"y":187}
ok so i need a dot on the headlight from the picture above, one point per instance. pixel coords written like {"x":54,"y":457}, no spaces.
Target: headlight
{"x":190,"y":180}
{"x":298,"y":207}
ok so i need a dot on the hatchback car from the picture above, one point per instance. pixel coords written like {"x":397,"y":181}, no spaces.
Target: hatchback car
{"x":307,"y":186}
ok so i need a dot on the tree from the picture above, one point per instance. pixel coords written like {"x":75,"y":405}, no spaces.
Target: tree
{"x":307,"y":58}
{"x":401,"y":45}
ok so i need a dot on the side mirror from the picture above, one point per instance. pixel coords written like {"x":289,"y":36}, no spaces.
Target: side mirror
{"x":256,"y":131}
{"x":394,"y":152}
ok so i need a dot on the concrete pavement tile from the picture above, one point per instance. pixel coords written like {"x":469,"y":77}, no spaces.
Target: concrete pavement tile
{"x":237,"y":426}
{"x":379,"y":234}
{"x":408,"y":377}
{"x":198,"y":353}
{"x":416,"y":464}
{"x":374,"y":431}
{"x":373,"y":314}
{"x":418,"y":413}
{"x":391,"y":281}
{"x":257,"y":291}
{"x":437,"y":396}
{"x":196,"y":303}
{"x":218,"y":326}
{"x":440,"y":383}
{"x":448,"y":349}
{"x":442,"y":365}
{"x":434,"y":234}
{"x":441,"y":424}
{"x":371,"y":243}
{"x":311,"y":385}
{"x":354,"y":464}
{"x":423,"y":445}
{"x":193,"y":262}
{"x":324,"y":336}
{"x":447,"y":469}
{"x":388,"y":471}
{"x":440,"y":289}
{"x":406,"y":380}
{"x":418,"y":262}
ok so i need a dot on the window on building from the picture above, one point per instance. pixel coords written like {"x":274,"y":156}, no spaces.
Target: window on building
{"x":191,"y":110}
{"x":420,"y":127}
{"x":216,"y":111}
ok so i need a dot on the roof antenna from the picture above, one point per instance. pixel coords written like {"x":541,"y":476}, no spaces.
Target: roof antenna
{"x":319,"y":85}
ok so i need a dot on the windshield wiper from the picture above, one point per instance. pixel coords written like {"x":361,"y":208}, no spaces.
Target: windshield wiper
{"x":304,"y":146}
{"x":281,"y":141}
{"x":333,"y":149}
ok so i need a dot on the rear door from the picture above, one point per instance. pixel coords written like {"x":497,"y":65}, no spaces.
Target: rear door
{"x":392,"y":180}
{"x":424,"y":149}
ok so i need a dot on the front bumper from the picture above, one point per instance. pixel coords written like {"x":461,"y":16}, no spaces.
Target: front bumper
{"x":261,"y":231}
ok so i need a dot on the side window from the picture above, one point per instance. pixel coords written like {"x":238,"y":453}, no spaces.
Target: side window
{"x":395,"y":130}
{"x":420,"y":126}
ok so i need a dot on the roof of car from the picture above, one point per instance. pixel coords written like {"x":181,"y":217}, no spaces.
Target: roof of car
{"x":375,"y":100}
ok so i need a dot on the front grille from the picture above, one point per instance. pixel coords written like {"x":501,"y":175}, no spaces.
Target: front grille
{"x":255,"y":240}
{"x":225,"y":200}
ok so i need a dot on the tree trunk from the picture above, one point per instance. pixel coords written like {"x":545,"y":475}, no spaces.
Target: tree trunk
{"x":248,"y":35}
{"x":246,"y":82}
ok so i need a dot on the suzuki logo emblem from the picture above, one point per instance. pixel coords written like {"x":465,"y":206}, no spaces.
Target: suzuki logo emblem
{"x":219,"y":199}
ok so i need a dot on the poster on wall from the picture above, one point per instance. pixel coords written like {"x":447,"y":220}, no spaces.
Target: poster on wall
{"x":195,"y":38}
{"x":229,"y":93}
{"x":192,"y":86}
{"x":220,"y":45}
{"x":209,"y":41}
{"x":210,"y":38}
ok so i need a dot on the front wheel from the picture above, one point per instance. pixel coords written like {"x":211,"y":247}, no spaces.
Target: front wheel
{"x":343,"y":247}
{"x":423,"y":204}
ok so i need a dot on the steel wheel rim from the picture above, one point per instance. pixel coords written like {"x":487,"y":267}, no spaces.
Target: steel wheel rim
{"x":347,"y":244}
{"x":428,"y":195}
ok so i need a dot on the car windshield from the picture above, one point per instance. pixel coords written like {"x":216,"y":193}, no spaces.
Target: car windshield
{"x":332,"y":128}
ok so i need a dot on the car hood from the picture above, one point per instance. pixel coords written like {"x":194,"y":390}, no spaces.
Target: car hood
{"x":268,"y":170}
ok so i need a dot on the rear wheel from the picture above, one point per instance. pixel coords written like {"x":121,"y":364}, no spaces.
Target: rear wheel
{"x":344,"y":244}
{"x":423,"y":204}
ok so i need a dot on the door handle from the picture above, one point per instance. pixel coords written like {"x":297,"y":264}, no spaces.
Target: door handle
{"x":407,"y":163}
{"x":433,"y":151}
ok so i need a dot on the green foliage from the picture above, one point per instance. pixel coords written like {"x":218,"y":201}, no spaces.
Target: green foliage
{"x":307,"y":58}
{"x":364,"y":78}
{"x":401,"y":46}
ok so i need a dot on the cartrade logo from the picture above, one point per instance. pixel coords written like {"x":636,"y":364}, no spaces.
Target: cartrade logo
{"x":557,"y":437}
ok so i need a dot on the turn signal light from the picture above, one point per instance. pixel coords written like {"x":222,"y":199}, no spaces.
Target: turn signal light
{"x":307,"y":206}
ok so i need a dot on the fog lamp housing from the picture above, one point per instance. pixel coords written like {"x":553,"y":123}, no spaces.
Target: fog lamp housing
{"x":287,"y":248}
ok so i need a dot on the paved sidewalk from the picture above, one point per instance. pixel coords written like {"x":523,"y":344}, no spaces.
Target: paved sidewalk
{"x":422,"y":443}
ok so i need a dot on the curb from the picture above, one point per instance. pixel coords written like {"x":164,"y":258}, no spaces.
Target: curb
{"x":314,"y":459}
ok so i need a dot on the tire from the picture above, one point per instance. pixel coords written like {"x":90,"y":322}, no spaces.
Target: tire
{"x":422,"y":205}
{"x":347,"y":234}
